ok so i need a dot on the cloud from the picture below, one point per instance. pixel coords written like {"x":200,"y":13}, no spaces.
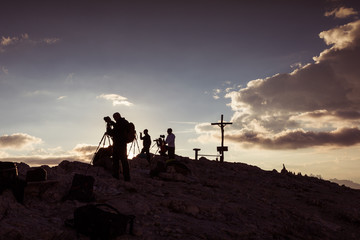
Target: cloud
{"x":217,"y":92}
{"x":346,"y":36}
{"x":61,"y":97}
{"x":315,"y":105}
{"x":7,"y":41}
{"x":296,"y":139}
{"x":50,"y":41}
{"x":296,"y":65}
{"x":53,"y":156}
{"x":50,"y":161}
{"x":84,"y":149}
{"x":116,"y":99}
{"x":18,"y":141}
{"x":341,"y":12}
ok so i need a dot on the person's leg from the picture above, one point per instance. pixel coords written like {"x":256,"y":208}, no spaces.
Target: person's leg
{"x":125,"y":164}
{"x":147,"y":151}
{"x":115,"y":163}
{"x":171,"y":152}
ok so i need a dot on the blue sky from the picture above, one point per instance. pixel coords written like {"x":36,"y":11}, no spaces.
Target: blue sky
{"x":284,"y":72}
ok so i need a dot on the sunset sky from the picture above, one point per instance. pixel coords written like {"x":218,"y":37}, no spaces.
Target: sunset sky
{"x":285,"y":73}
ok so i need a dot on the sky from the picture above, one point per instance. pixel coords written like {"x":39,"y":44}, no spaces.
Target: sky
{"x":285,"y":73}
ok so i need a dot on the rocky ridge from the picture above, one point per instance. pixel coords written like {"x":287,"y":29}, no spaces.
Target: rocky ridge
{"x":216,"y":201}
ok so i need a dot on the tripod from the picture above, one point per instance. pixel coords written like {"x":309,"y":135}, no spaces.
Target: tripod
{"x":161,"y":147}
{"x":133,"y":143}
{"x":103,"y":141}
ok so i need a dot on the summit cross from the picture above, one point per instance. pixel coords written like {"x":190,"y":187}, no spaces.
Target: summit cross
{"x":222,"y":148}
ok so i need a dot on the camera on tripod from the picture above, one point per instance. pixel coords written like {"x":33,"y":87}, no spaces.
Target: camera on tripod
{"x":108,"y":120}
{"x":160,"y":141}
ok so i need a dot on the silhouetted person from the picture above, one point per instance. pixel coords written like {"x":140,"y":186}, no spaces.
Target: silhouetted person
{"x":117,"y":130}
{"x":146,"y":144}
{"x":170,"y":141}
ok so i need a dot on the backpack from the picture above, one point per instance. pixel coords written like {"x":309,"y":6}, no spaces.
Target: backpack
{"x":102,"y":158}
{"x":101,"y":221}
{"x":130,"y":132}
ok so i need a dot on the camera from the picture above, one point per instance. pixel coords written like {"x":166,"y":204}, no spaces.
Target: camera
{"x":160,"y":141}
{"x":109,"y":122}
{"x":107,"y":119}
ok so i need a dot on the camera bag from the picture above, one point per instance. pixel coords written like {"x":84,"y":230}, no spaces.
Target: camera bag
{"x":102,"y":158}
{"x":101,"y":221}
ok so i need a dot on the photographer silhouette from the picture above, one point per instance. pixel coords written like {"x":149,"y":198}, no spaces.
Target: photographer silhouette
{"x":170,"y":141}
{"x":117,"y":130}
{"x":146,"y":144}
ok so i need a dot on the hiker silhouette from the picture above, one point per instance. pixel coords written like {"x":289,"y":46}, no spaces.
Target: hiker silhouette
{"x":146,"y":144}
{"x":117,"y":130}
{"x":170,"y":141}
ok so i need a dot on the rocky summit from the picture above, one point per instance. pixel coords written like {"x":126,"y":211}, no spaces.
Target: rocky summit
{"x":212,"y":201}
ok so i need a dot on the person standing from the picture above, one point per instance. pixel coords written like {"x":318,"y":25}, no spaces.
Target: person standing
{"x":170,"y":141}
{"x":118,"y":131}
{"x":146,"y":144}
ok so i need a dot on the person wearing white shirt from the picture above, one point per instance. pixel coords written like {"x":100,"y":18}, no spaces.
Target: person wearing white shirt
{"x":170,"y":141}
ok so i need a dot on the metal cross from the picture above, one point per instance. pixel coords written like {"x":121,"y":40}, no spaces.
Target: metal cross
{"x":222,"y":148}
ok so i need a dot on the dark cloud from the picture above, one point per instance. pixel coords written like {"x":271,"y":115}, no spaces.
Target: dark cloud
{"x":18,"y":140}
{"x":299,"y":139}
{"x":341,"y":114}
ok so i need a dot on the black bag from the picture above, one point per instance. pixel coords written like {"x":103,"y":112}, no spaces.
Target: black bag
{"x":81,"y":188}
{"x":102,"y":221}
{"x":36,"y":174}
{"x":102,"y":158}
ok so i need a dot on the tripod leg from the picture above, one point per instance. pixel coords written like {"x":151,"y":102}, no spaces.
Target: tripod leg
{"x":132,"y":143}
{"x":138,"y":145}
{"x":102,"y":139}
{"x":156,"y":152}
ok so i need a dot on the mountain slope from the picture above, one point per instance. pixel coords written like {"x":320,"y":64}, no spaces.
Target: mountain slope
{"x":217,"y":201}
